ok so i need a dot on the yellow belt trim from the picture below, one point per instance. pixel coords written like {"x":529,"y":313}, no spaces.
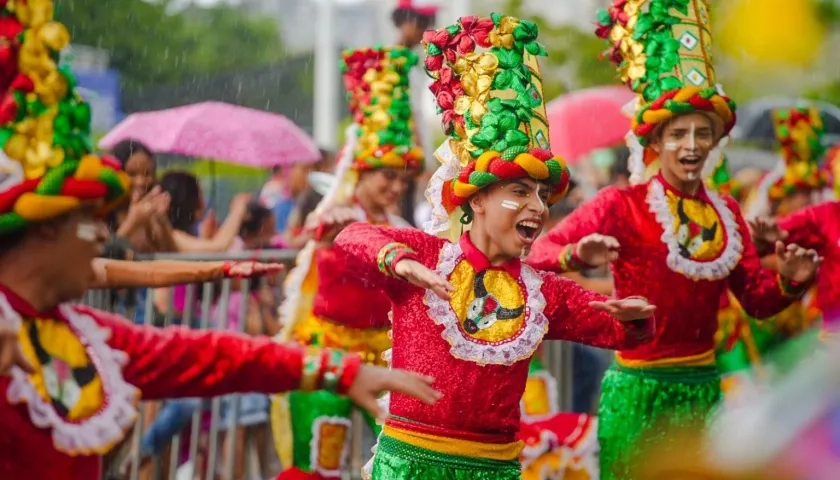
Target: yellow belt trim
{"x":701,"y":359}
{"x":454,"y":446}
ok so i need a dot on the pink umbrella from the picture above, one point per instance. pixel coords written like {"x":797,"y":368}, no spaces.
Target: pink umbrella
{"x":219,"y":131}
{"x":586,"y":120}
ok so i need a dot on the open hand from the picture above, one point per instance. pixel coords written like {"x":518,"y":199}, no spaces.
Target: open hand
{"x":766,"y":230}
{"x":597,"y":250}
{"x":249,"y":269}
{"x":328,"y":223}
{"x":626,"y":309}
{"x":796,"y":263}
{"x":372,"y":381}
{"x":11,"y":354}
{"x":418,"y":274}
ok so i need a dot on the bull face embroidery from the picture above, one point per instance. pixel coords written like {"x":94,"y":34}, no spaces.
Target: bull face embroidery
{"x":692,"y":236}
{"x":486,"y":310}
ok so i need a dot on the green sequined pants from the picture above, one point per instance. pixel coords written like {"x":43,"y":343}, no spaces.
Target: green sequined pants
{"x":639,"y":407}
{"x":321,"y":422}
{"x":396,"y":460}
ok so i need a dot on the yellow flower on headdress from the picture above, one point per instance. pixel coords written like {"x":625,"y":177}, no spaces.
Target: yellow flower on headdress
{"x":632,"y":51}
{"x":31,"y":145}
{"x":477,"y":72}
{"x":503,"y":35}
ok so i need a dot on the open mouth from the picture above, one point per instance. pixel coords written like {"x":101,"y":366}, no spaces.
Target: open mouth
{"x":691,"y":162}
{"x":528,"y":231}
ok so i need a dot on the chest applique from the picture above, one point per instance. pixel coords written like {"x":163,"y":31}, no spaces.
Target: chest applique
{"x":492,"y":318}
{"x":77,"y":390}
{"x":702,"y":238}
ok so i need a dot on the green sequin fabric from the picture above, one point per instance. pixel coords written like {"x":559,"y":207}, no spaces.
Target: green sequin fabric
{"x":396,"y":460}
{"x":305,"y":409}
{"x":639,"y":407}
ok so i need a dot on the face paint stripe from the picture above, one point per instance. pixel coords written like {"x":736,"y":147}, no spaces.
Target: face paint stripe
{"x":511,"y":205}
{"x":86,"y":232}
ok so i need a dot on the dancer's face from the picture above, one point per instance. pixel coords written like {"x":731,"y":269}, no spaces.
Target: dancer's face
{"x":513,"y":214}
{"x":384,"y":186}
{"x":794,"y":202}
{"x":683,"y":147}
{"x":82,"y":234}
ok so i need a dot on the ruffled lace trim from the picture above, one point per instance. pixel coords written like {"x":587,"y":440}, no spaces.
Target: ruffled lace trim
{"x":95,"y":434}
{"x":716,"y":269}
{"x":449,"y":169}
{"x":521,"y":347}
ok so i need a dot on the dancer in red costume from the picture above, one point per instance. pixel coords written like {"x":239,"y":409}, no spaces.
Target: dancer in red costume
{"x":325,"y":306}
{"x":479,"y":314}
{"x":72,"y":375}
{"x":667,"y":238}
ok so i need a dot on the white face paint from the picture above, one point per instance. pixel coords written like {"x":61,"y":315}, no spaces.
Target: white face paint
{"x":511,"y":205}
{"x":539,"y":199}
{"x":671,"y":146}
{"x":692,"y":176}
{"x":86,"y":231}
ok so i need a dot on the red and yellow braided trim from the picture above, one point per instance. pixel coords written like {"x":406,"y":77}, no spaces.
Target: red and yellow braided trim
{"x":491,"y":167}
{"x":683,"y":101}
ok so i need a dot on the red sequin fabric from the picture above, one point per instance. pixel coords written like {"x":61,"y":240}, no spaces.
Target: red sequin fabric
{"x":479,"y":355}
{"x":686,"y":292}
{"x":818,"y":227}
{"x":153,"y":364}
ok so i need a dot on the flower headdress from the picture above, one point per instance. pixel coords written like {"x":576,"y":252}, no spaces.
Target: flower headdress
{"x":47,"y":167}
{"x":376,"y":80}
{"x":832,"y":166}
{"x":663,"y":52}
{"x":799,"y":131}
{"x":493,"y":112}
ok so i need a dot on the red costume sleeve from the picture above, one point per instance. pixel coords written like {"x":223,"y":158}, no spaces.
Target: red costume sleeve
{"x":758,"y":289}
{"x":179,"y":362}
{"x":599,"y":215}
{"x":366,"y":246}
{"x":804,"y":226}
{"x":571,"y":318}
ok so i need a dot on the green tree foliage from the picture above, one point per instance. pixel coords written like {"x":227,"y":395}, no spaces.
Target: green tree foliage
{"x":149,"y":44}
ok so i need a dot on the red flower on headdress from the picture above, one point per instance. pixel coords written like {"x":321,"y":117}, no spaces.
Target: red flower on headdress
{"x":474,"y":31}
{"x":446,"y":89}
{"x":440,"y":39}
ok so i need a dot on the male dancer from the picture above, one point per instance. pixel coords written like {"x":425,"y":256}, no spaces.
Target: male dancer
{"x":71,"y":375}
{"x":680,"y":244}
{"x":476,"y":314}
{"x":325,"y":307}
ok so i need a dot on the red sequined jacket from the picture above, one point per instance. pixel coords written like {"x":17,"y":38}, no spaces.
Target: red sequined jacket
{"x":818,"y":227}
{"x":680,"y":264}
{"x":93,"y":367}
{"x":478,"y":345}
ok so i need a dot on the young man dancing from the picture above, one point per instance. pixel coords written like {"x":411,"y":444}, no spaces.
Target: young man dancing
{"x":667,"y":237}
{"x":71,"y":376}
{"x":475,"y":313}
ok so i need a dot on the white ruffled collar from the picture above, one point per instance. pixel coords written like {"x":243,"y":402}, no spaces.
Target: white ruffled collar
{"x":96,"y":434}
{"x":716,"y":269}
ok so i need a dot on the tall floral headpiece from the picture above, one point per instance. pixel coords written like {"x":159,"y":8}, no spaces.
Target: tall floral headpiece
{"x":799,"y":131}
{"x":663,"y":52}
{"x":47,"y":167}
{"x":493,"y":111}
{"x":376,"y":80}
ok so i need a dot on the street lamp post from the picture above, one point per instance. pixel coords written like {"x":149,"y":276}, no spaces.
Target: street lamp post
{"x":326,"y":76}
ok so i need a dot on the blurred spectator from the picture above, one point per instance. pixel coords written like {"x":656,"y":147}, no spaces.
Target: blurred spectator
{"x":282,"y":190}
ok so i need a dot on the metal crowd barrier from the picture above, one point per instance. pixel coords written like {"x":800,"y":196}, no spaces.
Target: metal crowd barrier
{"x":205,"y":458}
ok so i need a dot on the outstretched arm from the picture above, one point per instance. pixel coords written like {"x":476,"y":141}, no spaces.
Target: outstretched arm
{"x":557,"y":251}
{"x":178,"y":362}
{"x":164,"y":273}
{"x":375,"y":251}
{"x":581,"y":316}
